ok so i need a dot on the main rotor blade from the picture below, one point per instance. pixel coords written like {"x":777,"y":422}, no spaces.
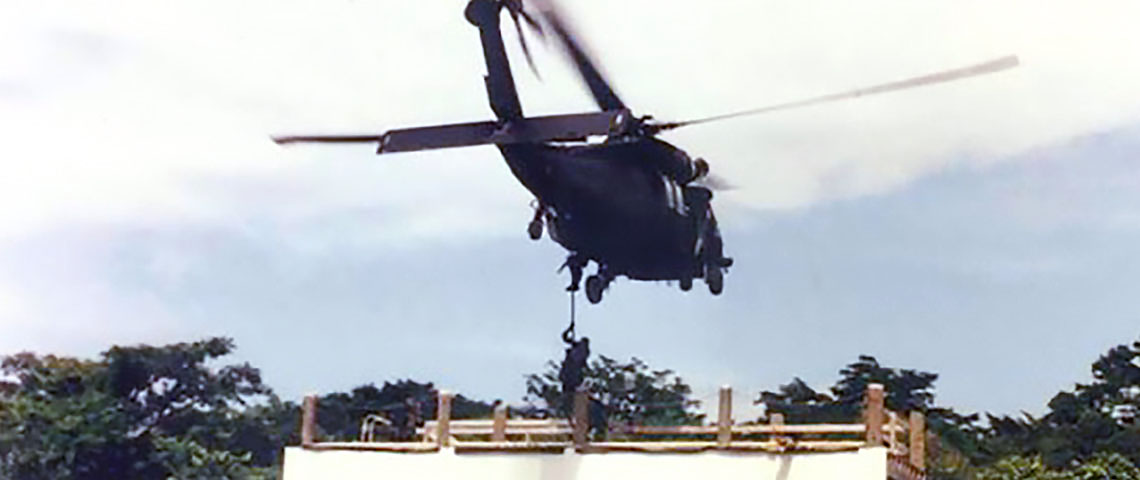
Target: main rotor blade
{"x":603,"y":94}
{"x":992,"y":66}
{"x":285,"y":140}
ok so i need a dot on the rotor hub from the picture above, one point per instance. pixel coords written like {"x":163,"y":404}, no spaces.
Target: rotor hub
{"x":483,"y":12}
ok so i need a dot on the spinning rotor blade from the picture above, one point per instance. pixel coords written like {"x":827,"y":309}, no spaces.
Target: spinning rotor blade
{"x":514,"y":7}
{"x":716,"y":182}
{"x":599,"y":87}
{"x":992,"y":66}
{"x":526,"y":49}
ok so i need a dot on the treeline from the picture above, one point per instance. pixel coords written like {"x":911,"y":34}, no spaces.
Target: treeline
{"x":140,"y":412}
{"x":1088,"y":433}
{"x":165,"y":412}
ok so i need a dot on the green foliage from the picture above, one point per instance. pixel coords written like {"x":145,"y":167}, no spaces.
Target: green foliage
{"x":1106,"y":466}
{"x":799,"y":403}
{"x":1100,"y":466}
{"x":955,"y":444}
{"x":185,"y":459}
{"x":405,"y":403}
{"x":1018,"y":468}
{"x":1095,"y":417}
{"x":57,"y":421}
{"x":629,"y":393}
{"x":138,"y":412}
{"x":906,"y":390}
{"x":1093,"y":427}
{"x":264,"y":429}
{"x":80,"y":436}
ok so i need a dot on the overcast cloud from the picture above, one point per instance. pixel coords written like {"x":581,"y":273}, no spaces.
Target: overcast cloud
{"x":142,"y":201}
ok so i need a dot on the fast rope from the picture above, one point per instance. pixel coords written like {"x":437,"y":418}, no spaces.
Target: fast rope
{"x":568,"y":335}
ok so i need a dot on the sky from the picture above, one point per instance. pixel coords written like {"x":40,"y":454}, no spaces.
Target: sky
{"x":981,"y":230}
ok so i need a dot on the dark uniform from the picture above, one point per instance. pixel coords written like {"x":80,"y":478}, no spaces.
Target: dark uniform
{"x":573,"y":366}
{"x":405,"y":418}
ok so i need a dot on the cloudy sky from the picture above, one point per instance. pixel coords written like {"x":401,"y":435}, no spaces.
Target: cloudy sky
{"x":984,"y":230}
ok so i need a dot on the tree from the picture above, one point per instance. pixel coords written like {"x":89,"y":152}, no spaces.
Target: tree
{"x":1101,"y":466}
{"x":56,"y":422}
{"x":1094,"y":418}
{"x":799,"y":403}
{"x":138,"y":412}
{"x":906,"y":390}
{"x":627,"y":393}
{"x":339,"y":414}
{"x":1018,"y":468}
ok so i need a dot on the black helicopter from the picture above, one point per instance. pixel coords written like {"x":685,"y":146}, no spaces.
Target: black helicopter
{"x":606,"y":188}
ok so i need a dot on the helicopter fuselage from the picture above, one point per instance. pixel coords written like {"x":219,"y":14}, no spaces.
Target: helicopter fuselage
{"x":612,"y":204}
{"x":625,"y":204}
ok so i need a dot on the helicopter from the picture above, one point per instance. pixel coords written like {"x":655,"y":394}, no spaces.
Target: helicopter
{"x":605,"y":187}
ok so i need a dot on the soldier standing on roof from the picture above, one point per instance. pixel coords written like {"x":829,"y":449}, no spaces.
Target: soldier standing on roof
{"x":413,"y":418}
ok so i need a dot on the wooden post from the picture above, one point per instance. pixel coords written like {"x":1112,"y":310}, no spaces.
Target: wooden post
{"x":724,"y":419}
{"x":581,"y":418}
{"x":918,"y":440}
{"x":777,"y":421}
{"x":443,"y":419}
{"x":873,"y":414}
{"x":892,"y":432}
{"x":499,"y":432}
{"x":309,"y":420}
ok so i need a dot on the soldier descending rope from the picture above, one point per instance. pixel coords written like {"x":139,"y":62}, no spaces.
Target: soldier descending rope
{"x":574,"y":363}
{"x":572,"y":374}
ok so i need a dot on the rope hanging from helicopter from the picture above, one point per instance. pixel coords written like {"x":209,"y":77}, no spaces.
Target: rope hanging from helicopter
{"x":569,"y":334}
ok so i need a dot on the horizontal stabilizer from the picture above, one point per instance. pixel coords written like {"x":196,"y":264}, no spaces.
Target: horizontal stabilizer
{"x":524,"y":130}
{"x":440,"y":136}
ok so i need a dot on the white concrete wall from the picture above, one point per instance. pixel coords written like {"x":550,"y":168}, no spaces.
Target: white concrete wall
{"x":865,"y":464}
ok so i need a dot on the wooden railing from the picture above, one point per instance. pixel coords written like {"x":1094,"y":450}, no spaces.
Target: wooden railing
{"x":880,"y":427}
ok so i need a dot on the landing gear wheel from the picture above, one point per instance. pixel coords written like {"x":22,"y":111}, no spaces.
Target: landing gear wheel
{"x":686,"y":283}
{"x":534,"y":229}
{"x":714,"y":277}
{"x":594,"y":288}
